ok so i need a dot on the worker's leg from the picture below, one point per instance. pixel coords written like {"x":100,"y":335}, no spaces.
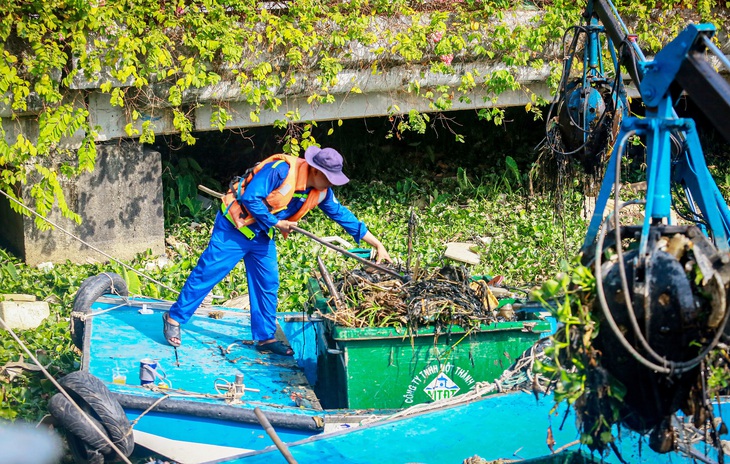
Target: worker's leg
{"x":224,"y":251}
{"x":262,"y":273}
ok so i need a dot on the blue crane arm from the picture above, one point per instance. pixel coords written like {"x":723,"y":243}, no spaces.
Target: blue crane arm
{"x":682,"y":66}
{"x":662,"y":290}
{"x":630,"y":54}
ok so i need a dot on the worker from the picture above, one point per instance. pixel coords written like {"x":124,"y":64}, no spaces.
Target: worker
{"x":275,"y":194}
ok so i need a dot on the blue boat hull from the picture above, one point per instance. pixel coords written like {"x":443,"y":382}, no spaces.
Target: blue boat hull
{"x":189,"y":407}
{"x":512,"y":427}
{"x":193,"y":420}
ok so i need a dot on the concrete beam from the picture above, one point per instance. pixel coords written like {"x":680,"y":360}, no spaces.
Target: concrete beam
{"x":381,"y":95}
{"x":357,"y":106}
{"x":26,"y":124}
{"x":112,"y":120}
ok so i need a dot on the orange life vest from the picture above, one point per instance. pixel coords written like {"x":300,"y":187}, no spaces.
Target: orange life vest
{"x":277,"y":200}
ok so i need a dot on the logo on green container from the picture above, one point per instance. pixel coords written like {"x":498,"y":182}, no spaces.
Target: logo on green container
{"x":441,"y":387}
{"x":438,"y":382}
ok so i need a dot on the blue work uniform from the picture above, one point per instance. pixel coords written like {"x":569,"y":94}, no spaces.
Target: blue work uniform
{"x":227,"y":246}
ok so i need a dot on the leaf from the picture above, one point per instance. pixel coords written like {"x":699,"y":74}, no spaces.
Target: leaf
{"x":512,"y":166}
{"x":8,"y":413}
{"x":550,"y":288}
{"x":12,"y":271}
{"x":133,"y":284}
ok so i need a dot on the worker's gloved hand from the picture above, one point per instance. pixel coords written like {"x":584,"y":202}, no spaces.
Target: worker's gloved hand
{"x":285,"y":226}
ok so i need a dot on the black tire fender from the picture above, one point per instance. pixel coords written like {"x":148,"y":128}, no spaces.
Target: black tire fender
{"x":89,"y":291}
{"x":92,"y":395}
{"x":81,"y":452}
{"x":74,"y":422}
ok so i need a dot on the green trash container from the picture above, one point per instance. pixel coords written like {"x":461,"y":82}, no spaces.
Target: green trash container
{"x":388,"y":368}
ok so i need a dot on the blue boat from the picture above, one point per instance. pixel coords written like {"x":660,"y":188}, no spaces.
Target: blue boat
{"x":502,"y":428}
{"x":200,"y":402}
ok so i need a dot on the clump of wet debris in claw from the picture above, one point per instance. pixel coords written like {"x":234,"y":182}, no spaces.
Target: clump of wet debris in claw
{"x":441,"y":298}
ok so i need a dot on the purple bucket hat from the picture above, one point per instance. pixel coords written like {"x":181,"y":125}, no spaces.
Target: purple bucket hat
{"x":329,"y":161}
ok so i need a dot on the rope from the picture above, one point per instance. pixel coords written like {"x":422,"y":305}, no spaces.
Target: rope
{"x":108,"y":256}
{"x":64,"y":393}
{"x":174,"y":393}
{"x":566,"y":446}
{"x":153,"y":406}
{"x":83,"y":316}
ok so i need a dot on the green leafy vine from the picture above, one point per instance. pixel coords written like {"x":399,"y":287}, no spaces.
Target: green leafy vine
{"x":574,"y":365}
{"x":146,"y":56}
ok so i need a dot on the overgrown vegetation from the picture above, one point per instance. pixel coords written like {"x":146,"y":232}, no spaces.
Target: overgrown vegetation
{"x":580,"y":366}
{"x":574,"y":365}
{"x":177,"y":49}
{"x":142,"y":56}
{"x":581,"y":363}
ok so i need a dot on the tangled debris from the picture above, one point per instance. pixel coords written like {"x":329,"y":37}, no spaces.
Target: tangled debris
{"x":447,"y":296}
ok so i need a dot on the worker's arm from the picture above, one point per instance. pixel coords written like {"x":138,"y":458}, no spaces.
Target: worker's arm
{"x":356,"y":228}
{"x":382,"y":253}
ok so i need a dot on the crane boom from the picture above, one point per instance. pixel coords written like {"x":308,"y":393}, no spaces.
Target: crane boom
{"x":662,"y":299}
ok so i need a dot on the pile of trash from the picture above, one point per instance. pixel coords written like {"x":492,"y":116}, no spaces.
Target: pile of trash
{"x":444,"y":297}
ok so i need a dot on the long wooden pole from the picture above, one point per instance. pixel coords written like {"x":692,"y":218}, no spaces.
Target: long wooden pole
{"x":350,"y":254}
{"x":274,"y":437}
{"x":327,"y":277}
{"x":326,"y":243}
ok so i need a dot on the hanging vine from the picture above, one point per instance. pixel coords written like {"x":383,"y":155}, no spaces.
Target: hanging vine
{"x":147,"y":54}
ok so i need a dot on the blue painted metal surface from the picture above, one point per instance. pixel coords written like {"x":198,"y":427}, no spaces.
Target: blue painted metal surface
{"x":202,"y":430}
{"x":214,"y":350}
{"x":692,"y":171}
{"x":511,"y":426}
{"x":658,"y":125}
{"x":660,"y":73}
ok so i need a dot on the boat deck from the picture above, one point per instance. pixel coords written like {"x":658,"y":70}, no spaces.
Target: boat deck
{"x":216,"y":346}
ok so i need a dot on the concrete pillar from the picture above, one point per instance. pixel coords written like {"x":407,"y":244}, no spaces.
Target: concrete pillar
{"x":120,"y":204}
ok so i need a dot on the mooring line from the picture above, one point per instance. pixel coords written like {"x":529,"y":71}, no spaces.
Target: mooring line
{"x":48,"y":375}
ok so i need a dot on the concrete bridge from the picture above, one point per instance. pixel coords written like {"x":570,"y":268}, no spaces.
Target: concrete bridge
{"x":121,"y":201}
